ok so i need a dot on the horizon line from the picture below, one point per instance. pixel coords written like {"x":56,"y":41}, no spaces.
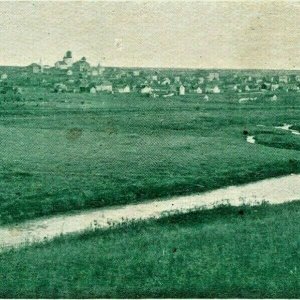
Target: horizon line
{"x":174,"y":68}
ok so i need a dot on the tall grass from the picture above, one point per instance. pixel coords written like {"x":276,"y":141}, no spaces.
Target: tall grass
{"x":227,"y":252}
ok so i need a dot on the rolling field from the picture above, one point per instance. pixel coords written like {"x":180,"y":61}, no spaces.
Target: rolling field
{"x":64,"y":152}
{"x":245,"y":252}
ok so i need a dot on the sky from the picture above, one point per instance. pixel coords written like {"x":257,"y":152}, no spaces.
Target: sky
{"x":184,"y":34}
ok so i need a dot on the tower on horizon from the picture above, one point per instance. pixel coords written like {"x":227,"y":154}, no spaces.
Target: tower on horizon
{"x":68,"y":59}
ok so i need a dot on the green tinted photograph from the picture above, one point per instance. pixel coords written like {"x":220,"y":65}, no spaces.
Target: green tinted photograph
{"x":149,"y":149}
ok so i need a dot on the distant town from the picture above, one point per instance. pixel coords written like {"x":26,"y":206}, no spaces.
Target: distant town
{"x":70,"y":76}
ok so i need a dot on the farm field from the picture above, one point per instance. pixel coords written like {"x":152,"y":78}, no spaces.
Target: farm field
{"x":66,"y":152}
{"x":234,"y":252}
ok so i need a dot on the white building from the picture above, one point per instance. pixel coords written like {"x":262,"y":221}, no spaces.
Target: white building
{"x":199,"y":90}
{"x":216,"y":90}
{"x":136,"y":73}
{"x":66,"y":63}
{"x":181,"y":90}
{"x":93,"y":90}
{"x":147,"y":90}
{"x":124,"y":90}
{"x":274,"y":98}
{"x":4,"y":76}
{"x":104,"y":87}
{"x":213,"y":76}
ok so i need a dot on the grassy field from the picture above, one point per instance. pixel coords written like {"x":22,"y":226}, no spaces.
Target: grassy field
{"x":224,"y":252}
{"x":64,"y":152}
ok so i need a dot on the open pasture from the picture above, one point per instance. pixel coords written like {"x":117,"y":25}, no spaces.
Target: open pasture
{"x":64,"y":152}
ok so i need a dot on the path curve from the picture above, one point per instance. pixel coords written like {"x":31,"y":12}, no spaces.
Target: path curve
{"x":275,"y":191}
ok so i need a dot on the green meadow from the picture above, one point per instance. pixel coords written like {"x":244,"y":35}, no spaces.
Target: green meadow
{"x":226,"y":252}
{"x":66,"y":152}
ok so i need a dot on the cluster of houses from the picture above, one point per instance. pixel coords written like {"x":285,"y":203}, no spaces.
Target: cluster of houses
{"x":80,"y":76}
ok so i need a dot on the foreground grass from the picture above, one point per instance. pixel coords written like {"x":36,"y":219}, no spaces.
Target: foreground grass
{"x":72,"y":152}
{"x":224,"y":252}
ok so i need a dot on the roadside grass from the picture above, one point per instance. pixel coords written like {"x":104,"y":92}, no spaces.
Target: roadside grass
{"x":64,"y":152}
{"x":226,"y":252}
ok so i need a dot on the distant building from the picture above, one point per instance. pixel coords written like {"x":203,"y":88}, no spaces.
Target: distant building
{"x":4,"y":76}
{"x":283,"y":79}
{"x":35,"y":68}
{"x":81,"y":65}
{"x":69,"y":73}
{"x":105,"y":86}
{"x":213,"y":89}
{"x":216,"y":90}
{"x":213,"y":76}
{"x":125,"y":89}
{"x":274,"y":87}
{"x":182,"y":90}
{"x":93,"y":90}
{"x":66,"y":63}
{"x":136,"y":73}
{"x":96,"y":71}
{"x":247,"y":88}
{"x":147,"y":90}
{"x":199,"y":90}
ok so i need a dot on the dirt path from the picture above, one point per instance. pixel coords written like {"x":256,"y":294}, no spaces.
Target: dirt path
{"x":276,"y":190}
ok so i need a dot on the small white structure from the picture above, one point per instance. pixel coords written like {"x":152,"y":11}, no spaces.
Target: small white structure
{"x":274,"y":98}
{"x":147,"y":90}
{"x":4,"y":76}
{"x":247,"y":89}
{"x":181,"y":90}
{"x":274,"y":87}
{"x":206,"y":98}
{"x":93,"y":90}
{"x":213,"y":76}
{"x":69,"y":73}
{"x":124,"y":90}
{"x":136,"y":73}
{"x":104,"y":87}
{"x":283,"y":79}
{"x":250,"y":139}
{"x":199,"y":90}
{"x":154,"y":78}
{"x":216,"y":90}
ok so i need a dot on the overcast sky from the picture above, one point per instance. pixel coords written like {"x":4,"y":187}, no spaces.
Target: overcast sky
{"x":198,"y":34}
